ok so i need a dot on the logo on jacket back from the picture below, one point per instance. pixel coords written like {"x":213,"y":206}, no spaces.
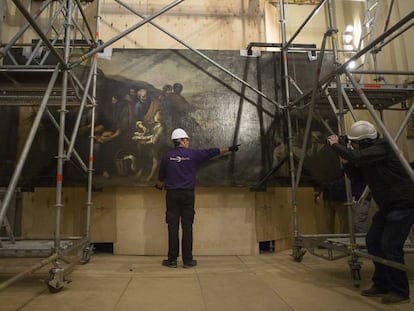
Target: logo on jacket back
{"x":178,"y":159}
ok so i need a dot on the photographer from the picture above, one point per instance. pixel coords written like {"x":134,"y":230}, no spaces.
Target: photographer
{"x":371,"y":159}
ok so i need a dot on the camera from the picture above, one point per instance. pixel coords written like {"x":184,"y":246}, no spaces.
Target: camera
{"x":343,"y":140}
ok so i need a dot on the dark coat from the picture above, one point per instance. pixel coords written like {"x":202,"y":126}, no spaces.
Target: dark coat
{"x":378,"y":166}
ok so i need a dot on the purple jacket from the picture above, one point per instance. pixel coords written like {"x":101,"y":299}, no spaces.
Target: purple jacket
{"x":179,"y":166}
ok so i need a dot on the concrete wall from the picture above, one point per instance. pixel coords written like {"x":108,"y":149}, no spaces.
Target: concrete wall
{"x":228,"y":220}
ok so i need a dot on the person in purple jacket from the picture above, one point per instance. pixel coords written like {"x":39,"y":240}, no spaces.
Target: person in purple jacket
{"x":177,"y":175}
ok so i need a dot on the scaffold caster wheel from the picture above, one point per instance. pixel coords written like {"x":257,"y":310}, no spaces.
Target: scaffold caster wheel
{"x":298,"y":254}
{"x":86,"y":254}
{"x":54,"y":281}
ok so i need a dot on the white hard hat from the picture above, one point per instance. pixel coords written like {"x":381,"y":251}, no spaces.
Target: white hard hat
{"x":362,"y":130}
{"x":178,"y":134}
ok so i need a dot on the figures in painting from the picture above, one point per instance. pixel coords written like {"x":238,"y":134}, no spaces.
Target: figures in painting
{"x":130,"y":138}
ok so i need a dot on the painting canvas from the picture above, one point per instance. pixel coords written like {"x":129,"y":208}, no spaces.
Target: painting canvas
{"x":142,"y":95}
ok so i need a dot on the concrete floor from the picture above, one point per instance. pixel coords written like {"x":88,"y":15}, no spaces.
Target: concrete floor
{"x":264,"y":282}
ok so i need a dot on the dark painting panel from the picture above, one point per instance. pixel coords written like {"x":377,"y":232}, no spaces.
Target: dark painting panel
{"x":214,"y":108}
{"x":142,"y":95}
{"x":177,"y":88}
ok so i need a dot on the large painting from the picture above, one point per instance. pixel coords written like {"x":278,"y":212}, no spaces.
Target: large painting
{"x":142,"y":95}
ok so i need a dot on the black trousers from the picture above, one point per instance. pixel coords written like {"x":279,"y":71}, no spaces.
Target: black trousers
{"x":385,"y":239}
{"x":180,"y":207}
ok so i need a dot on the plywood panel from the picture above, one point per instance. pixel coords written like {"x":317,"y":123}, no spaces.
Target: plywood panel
{"x":224,"y":222}
{"x":39,"y":212}
{"x":274,"y":215}
{"x":103,"y":216}
{"x":141,"y":228}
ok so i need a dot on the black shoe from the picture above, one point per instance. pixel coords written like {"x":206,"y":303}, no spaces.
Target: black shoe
{"x":374,"y":291}
{"x":393,"y":298}
{"x":190,"y":263}
{"x":169,"y":263}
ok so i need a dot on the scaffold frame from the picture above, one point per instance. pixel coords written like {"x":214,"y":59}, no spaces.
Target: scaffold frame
{"x":62,"y":252}
{"x":349,"y":245}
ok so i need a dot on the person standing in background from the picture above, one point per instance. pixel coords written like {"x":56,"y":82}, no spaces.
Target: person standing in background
{"x":372,"y":160}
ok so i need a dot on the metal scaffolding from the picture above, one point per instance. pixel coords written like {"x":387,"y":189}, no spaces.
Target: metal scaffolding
{"x":344,"y":97}
{"x":48,"y":57}
{"x":70,"y":46}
